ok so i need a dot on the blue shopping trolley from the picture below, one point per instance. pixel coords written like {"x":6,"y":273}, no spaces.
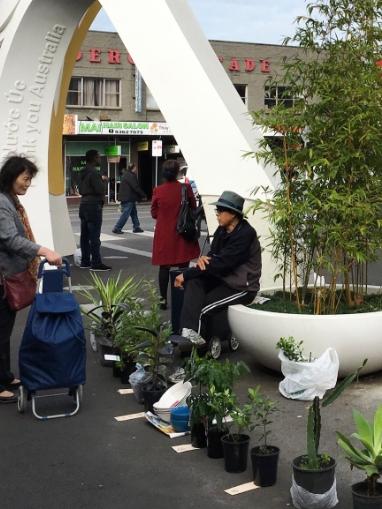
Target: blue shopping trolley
{"x":53,"y":348}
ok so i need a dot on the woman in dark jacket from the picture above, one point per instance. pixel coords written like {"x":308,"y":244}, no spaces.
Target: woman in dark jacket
{"x":170,"y":249}
{"x":18,"y":252}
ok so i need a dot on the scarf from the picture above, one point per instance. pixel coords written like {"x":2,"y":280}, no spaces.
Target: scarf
{"x":34,"y":263}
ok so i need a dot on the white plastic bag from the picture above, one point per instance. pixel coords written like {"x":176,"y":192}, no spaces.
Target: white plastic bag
{"x":77,"y":257}
{"x":303,"y":499}
{"x":305,"y":380}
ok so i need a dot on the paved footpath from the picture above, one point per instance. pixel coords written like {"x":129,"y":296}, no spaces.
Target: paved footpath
{"x":91,"y":461}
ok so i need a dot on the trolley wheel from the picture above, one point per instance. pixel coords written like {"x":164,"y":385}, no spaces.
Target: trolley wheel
{"x":233,"y":344}
{"x":215,"y":347}
{"x":93,"y":341}
{"x":21,"y":400}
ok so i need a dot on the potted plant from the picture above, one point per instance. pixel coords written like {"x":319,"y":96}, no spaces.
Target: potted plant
{"x":315,"y":472}
{"x":324,"y":212}
{"x":236,"y":441}
{"x":128,"y":337}
{"x":107,"y":305}
{"x":368,"y":458}
{"x":264,"y":456}
{"x":211,"y":378}
{"x":219,"y":404}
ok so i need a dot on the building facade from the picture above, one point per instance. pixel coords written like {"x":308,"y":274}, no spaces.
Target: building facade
{"x":109,"y":107}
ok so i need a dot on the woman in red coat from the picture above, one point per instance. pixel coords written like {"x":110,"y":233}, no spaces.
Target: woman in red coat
{"x":169,"y":248}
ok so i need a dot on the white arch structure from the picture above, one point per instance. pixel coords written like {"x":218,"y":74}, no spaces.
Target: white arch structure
{"x":39,"y":40}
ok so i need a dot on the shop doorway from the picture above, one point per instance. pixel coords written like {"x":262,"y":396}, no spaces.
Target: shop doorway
{"x":146,"y":172}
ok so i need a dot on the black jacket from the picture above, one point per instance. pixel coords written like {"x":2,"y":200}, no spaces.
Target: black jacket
{"x":91,"y":187}
{"x":129,"y":189}
{"x":235,"y":258}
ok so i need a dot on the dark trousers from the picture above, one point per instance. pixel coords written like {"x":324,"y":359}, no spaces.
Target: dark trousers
{"x":164,"y":276}
{"x":207,"y":295}
{"x":91,"y":222}
{"x":7,"y":321}
{"x":129,"y":209}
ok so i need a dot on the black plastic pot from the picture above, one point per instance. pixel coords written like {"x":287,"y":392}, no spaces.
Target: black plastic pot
{"x":198,"y":435}
{"x":126,"y":370}
{"x":235,"y":449}
{"x":104,"y":349}
{"x":116,"y":370}
{"x":151,"y":394}
{"x":315,"y":481}
{"x":214,"y":442}
{"x":264,"y":465}
{"x":361,"y":500}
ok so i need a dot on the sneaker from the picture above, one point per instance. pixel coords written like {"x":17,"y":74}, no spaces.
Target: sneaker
{"x":118,"y":232}
{"x":163,"y":303}
{"x":138,"y":230}
{"x":85,"y":266}
{"x":101,"y":267}
{"x":178,"y":376}
{"x":193,"y":336}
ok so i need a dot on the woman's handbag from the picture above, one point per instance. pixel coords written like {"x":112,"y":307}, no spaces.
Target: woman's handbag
{"x":186,"y":225}
{"x":19,"y":290}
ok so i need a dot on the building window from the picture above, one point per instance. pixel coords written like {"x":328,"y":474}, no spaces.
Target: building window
{"x":151,"y":103}
{"x":242,"y":91}
{"x":275,"y":95}
{"x":94,"y":93}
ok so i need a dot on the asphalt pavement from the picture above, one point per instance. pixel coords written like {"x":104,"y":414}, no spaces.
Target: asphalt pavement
{"x":92,"y":461}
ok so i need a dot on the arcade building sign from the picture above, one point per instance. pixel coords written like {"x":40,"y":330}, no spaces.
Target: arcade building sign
{"x":114,"y":57}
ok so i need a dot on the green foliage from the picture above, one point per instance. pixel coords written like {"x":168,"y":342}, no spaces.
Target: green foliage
{"x":313,"y":460}
{"x":214,"y":380}
{"x":207,"y":372}
{"x":263,"y":408}
{"x":241,"y":419}
{"x":326,"y":213}
{"x":110,"y":299}
{"x":291,"y":348}
{"x":143,"y":312}
{"x":142,"y":333}
{"x":368,"y":457}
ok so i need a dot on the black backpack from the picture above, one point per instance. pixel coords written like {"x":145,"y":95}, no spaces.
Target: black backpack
{"x":186,"y":225}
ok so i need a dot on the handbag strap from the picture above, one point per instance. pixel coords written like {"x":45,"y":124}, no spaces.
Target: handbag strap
{"x":184,"y":194}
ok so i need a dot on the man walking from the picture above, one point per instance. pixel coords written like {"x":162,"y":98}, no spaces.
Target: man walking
{"x":92,"y":190}
{"x":129,"y":193}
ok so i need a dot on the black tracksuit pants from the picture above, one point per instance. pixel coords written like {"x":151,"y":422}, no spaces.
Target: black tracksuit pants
{"x":207,"y":295}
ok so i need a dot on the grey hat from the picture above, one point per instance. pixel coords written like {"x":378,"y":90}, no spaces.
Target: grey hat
{"x":232,"y":201}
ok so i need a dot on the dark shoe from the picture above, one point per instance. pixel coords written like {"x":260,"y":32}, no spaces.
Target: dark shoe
{"x":118,"y":232}
{"x":163,"y":304}
{"x":85,"y":266}
{"x":138,"y":230}
{"x":101,"y":267}
{"x":8,"y":399}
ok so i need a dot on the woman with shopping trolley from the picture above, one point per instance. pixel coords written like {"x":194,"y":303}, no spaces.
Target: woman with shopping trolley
{"x":18,"y":254}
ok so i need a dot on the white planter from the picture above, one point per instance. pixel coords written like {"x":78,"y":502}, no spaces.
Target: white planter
{"x":354,"y":336}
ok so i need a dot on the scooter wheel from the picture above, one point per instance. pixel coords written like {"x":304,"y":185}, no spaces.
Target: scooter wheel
{"x":233,"y":344}
{"x":215,"y":347}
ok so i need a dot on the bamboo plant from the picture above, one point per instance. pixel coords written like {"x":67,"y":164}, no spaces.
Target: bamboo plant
{"x":326,"y":145}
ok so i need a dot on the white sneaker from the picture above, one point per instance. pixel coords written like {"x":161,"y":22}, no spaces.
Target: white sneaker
{"x":193,"y":336}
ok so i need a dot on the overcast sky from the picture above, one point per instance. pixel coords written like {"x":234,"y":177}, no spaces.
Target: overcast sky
{"x":239,"y":20}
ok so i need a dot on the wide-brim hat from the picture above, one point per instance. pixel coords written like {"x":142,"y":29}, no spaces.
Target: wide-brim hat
{"x":231,"y":201}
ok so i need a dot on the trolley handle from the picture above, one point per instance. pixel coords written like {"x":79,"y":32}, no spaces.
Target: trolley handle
{"x":65,"y":267}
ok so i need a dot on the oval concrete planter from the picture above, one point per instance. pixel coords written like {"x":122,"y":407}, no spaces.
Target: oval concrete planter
{"x":354,"y":336}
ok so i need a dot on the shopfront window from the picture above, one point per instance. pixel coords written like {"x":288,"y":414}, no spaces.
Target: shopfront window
{"x":275,"y":95}
{"x":242,"y":90}
{"x":94,"y":92}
